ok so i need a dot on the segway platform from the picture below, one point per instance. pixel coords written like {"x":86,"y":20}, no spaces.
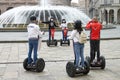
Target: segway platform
{"x":72,"y":70}
{"x":95,"y":63}
{"x":38,"y":67}
{"x":65,"y":42}
{"x":52,"y":42}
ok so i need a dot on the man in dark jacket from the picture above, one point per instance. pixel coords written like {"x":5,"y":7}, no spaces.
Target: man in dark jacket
{"x":51,"y":25}
{"x":94,"y":26}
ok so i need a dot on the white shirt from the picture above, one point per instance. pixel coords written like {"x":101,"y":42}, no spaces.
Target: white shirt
{"x":33,"y":31}
{"x":63,"y":25}
{"x":74,"y":35}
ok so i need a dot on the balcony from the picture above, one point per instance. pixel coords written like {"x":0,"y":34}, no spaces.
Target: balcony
{"x":105,"y":5}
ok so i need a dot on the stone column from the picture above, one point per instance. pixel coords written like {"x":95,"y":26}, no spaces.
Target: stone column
{"x":115,"y":15}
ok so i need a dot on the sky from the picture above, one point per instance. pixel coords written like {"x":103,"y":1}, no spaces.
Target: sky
{"x":76,"y":1}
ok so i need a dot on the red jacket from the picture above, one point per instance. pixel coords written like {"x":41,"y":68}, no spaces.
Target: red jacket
{"x":95,"y":28}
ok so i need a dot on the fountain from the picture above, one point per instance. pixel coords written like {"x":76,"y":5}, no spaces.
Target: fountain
{"x":20,"y":15}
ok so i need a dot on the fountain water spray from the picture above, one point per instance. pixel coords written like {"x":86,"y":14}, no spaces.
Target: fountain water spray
{"x":20,"y":15}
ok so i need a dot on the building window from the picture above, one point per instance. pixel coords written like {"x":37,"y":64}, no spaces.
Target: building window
{"x":0,"y":12}
{"x":111,"y":1}
{"x":105,"y":1}
{"x":9,"y":8}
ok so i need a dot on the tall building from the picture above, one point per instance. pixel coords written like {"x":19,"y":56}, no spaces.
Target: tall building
{"x":83,"y":4}
{"x":108,"y":11}
{"x":8,"y":4}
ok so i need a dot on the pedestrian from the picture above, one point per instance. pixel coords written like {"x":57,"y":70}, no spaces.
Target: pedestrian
{"x":34,"y":34}
{"x":78,"y":47}
{"x":64,"y":26}
{"x":51,"y":24}
{"x":95,"y":27}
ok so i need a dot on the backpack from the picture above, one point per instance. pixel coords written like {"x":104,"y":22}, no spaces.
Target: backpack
{"x":82,"y":37}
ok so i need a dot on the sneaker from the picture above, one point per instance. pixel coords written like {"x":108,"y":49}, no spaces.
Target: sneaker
{"x":29,"y":66}
{"x":82,"y":68}
{"x":98,"y":63}
{"x":77,"y":69}
{"x":33,"y":65}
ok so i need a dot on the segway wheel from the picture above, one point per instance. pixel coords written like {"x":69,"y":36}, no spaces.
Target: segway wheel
{"x":55,"y":42}
{"x":103,"y":63}
{"x":48,"y":43}
{"x":68,"y":42}
{"x":70,"y":69}
{"x":88,"y":59}
{"x":61,"y":42}
{"x":25,"y":64}
{"x":40,"y":65}
{"x":87,"y":68}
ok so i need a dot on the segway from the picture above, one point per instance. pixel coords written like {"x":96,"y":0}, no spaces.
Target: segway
{"x":72,"y":70}
{"x":101,"y":64}
{"x":53,"y":41}
{"x":65,"y":40}
{"x":38,"y":67}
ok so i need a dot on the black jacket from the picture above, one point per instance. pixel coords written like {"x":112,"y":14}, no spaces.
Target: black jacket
{"x":51,"y":24}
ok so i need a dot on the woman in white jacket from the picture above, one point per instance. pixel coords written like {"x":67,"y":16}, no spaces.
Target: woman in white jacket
{"x":78,"y":47}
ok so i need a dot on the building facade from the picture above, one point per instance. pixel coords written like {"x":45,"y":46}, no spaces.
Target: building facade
{"x":82,"y":5}
{"x":8,"y":4}
{"x":108,"y":11}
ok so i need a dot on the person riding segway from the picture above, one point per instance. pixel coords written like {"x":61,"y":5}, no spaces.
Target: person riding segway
{"x":51,"y":23}
{"x":79,"y":66}
{"x":95,"y":28}
{"x":34,"y":34}
{"x":64,"y":40}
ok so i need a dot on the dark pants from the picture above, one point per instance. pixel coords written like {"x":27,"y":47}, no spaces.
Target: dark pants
{"x":94,"y":47}
{"x":49,"y":34}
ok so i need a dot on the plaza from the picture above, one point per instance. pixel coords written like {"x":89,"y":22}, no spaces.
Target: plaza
{"x":14,"y":45}
{"x":12,"y":54}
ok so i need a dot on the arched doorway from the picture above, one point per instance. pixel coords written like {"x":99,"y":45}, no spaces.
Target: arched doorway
{"x":111,"y":16}
{"x":0,"y":11}
{"x":9,"y":8}
{"x":118,"y":17}
{"x":106,"y":16}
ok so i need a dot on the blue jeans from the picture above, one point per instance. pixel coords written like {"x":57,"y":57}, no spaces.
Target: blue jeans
{"x":79,"y":54}
{"x":33,"y":45}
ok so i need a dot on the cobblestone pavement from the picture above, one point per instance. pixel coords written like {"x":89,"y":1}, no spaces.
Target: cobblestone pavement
{"x":13,"y":54}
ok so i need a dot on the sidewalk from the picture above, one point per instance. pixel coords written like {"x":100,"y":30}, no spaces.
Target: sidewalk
{"x":13,"y":54}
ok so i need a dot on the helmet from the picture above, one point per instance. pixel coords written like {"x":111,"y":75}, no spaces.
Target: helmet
{"x":63,"y":21}
{"x":51,"y":17}
{"x":32,"y":18}
{"x":77,"y":24}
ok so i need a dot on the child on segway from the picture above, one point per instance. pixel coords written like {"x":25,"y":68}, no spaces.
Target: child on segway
{"x":51,"y":24}
{"x":34,"y":34}
{"x":64,"y":28}
{"x":64,"y":39}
